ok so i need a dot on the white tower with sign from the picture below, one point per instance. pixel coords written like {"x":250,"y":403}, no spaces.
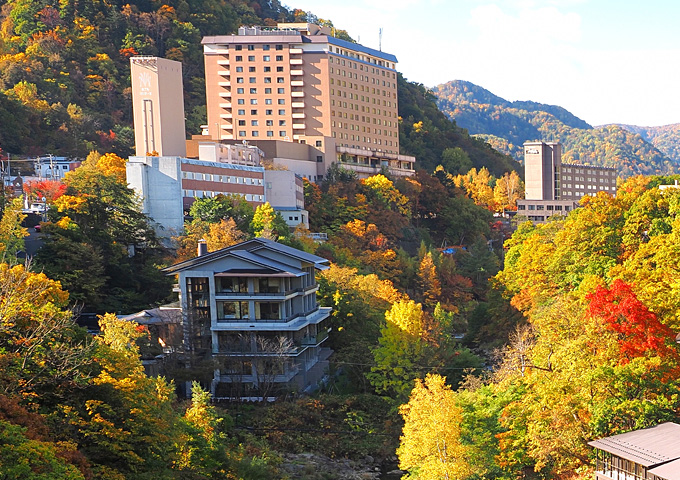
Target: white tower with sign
{"x":158,"y":106}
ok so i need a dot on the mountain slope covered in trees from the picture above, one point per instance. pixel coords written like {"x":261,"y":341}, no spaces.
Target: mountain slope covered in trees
{"x":507,"y":125}
{"x":666,"y":138}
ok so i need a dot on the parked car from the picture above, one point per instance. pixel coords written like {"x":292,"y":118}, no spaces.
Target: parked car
{"x":37,"y":228}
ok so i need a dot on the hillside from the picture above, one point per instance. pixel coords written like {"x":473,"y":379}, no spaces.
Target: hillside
{"x":426,"y":132}
{"x":666,"y":138}
{"x":507,"y":125}
{"x":65,"y":82}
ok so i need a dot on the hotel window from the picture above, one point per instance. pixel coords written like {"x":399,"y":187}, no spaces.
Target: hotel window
{"x":239,"y":47}
{"x":279,"y":58}
{"x":268,"y":112}
{"x":270,"y":133}
{"x":239,"y":58}
{"x":279,"y":69}
{"x":241,"y":133}
{"x":253,"y":91}
{"x":280,"y":91}
{"x":282,"y":133}
{"x":240,"y":90}
{"x":253,"y":112}
{"x":241,"y":123}
{"x":251,"y":58}
{"x":251,"y":48}
{"x":266,"y":47}
{"x":253,"y":123}
{"x":281,"y":101}
{"x":270,"y":123}
{"x":239,"y":69}
{"x":254,"y":133}
{"x":267,"y":69}
{"x":252,"y":80}
{"x":279,"y":80}
{"x":241,"y":101}
{"x":266,"y":58}
{"x":241,"y":112}
{"x":267,"y":79}
{"x":253,"y":101}
{"x":279,"y":47}
{"x":239,"y":79}
{"x":267,"y":101}
{"x":282,"y":112}
{"x":282,"y":123}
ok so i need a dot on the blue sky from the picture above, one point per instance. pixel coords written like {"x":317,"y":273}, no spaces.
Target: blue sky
{"x":606,"y":61}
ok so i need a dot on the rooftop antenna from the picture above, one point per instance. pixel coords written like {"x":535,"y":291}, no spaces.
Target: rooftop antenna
{"x":380,"y":39}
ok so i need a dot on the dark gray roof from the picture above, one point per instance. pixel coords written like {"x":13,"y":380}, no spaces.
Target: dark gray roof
{"x":647,"y":447}
{"x":280,"y":247}
{"x":248,"y":250}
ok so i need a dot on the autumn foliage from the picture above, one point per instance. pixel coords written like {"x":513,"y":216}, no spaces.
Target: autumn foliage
{"x":639,"y":330}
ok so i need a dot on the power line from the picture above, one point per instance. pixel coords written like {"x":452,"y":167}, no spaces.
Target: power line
{"x":419,"y":367}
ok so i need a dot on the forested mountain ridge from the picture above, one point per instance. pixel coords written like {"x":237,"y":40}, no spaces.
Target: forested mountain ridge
{"x":507,"y":125}
{"x":666,"y":138}
{"x":425,"y":132}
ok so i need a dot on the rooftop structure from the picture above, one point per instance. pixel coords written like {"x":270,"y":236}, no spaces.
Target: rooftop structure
{"x":648,"y":454}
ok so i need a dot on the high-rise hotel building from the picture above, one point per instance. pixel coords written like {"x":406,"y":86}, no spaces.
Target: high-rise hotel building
{"x":296,"y":82}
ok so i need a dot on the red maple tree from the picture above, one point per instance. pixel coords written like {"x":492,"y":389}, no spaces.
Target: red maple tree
{"x":638,"y":328}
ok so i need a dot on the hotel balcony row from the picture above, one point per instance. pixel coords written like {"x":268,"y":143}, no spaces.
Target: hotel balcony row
{"x":370,"y":162}
{"x":246,"y":347}
{"x":267,"y":316}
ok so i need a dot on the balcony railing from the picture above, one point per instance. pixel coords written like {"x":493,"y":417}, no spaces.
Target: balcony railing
{"x":268,"y":320}
{"x":273,"y":293}
{"x":316,"y":340}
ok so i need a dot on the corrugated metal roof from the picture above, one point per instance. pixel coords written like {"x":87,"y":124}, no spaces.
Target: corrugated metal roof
{"x":669,"y":471}
{"x":646,"y":447}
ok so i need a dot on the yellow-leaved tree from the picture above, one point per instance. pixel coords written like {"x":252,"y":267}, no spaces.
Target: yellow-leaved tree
{"x":430,"y":446}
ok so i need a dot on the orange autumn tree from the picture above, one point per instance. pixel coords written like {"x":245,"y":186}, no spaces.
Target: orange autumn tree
{"x":48,"y":189}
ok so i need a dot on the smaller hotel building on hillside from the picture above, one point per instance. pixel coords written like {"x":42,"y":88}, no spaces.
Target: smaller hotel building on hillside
{"x":252,"y":308}
{"x":555,"y":188}
{"x":297,"y":83}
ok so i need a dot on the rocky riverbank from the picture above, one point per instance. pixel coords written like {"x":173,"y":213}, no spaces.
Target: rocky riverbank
{"x":310,"y":466}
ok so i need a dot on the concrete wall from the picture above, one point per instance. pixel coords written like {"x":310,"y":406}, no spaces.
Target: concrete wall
{"x":158,"y":181}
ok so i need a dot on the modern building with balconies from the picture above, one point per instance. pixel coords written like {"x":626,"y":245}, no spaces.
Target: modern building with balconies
{"x":252,"y":308}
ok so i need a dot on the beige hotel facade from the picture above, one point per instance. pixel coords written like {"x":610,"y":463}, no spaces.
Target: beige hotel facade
{"x":297,"y":83}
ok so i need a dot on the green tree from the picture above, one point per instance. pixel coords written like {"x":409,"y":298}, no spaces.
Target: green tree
{"x":269,"y":224}
{"x":400,"y":350}
{"x":11,"y":232}
{"x":99,"y":217}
